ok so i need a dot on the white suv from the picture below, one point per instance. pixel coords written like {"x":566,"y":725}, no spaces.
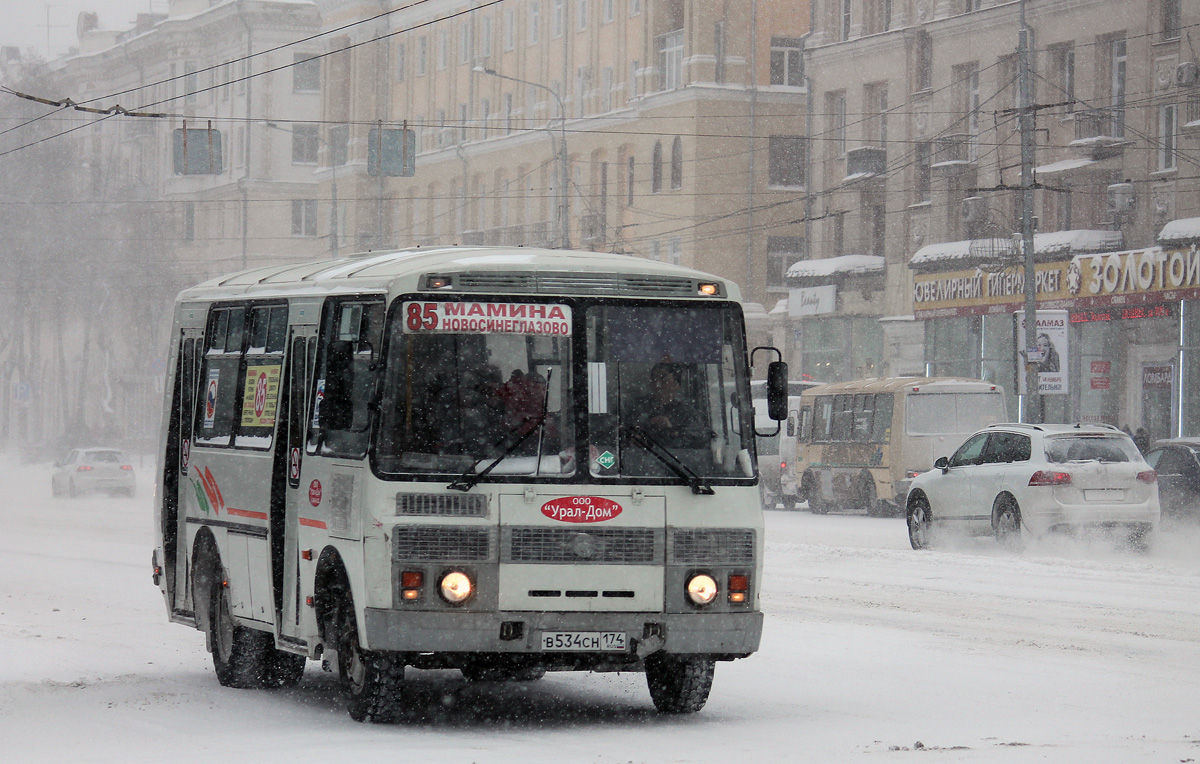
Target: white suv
{"x":1015,"y":479}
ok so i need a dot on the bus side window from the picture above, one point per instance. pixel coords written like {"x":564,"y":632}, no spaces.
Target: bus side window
{"x":346,"y":377}
{"x":881,"y":431}
{"x":806,"y":425}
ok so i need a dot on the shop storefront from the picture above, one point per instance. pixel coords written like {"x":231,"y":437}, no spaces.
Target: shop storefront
{"x":1133,"y":353}
{"x":830,"y":319}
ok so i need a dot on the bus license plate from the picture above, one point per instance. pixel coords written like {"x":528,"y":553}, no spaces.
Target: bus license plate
{"x":584,"y":641}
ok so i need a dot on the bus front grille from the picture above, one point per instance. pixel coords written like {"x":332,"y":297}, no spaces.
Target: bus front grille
{"x":441,"y":505}
{"x":440,"y":543}
{"x":712,"y":546}
{"x":611,"y":546}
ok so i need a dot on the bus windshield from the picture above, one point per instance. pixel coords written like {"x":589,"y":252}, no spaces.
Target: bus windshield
{"x":663,"y":393}
{"x":470,"y":382}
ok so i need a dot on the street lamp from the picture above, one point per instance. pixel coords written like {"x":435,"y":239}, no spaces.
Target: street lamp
{"x":564,"y":223}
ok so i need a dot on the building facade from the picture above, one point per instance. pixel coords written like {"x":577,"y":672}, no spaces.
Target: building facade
{"x":917,"y":161}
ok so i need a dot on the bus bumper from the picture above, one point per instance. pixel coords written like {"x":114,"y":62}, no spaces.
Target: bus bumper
{"x":717,"y":634}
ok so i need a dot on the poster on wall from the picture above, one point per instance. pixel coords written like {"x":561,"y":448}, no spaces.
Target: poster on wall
{"x":1047,"y":349}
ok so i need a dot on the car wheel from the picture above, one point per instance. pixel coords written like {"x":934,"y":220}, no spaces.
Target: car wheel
{"x":679,"y":685}
{"x":1140,"y":538}
{"x":54,"y":489}
{"x":919,"y":522}
{"x":1006,"y":521}
{"x":72,"y":491}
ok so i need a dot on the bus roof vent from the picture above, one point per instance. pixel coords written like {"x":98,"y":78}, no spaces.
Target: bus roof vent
{"x":635,"y":285}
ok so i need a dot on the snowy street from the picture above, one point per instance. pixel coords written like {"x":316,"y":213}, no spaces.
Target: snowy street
{"x":1069,"y":652}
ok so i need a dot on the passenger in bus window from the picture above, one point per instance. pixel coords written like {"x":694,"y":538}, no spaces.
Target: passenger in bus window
{"x":664,"y":414}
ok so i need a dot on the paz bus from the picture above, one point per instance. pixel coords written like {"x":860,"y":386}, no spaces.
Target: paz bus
{"x":861,"y":443}
{"x":498,"y":460}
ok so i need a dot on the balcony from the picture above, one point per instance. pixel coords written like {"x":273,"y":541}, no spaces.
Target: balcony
{"x":865,"y":162}
{"x":1191,"y":114}
{"x":953,"y":153}
{"x":1100,"y":133}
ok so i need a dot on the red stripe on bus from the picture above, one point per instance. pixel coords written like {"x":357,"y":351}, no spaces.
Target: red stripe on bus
{"x":246,"y":513}
{"x":312,"y":523}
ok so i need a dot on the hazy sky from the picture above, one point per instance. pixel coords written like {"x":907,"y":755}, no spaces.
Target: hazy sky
{"x":24,"y":21}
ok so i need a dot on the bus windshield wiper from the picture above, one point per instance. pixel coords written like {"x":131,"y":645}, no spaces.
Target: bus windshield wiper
{"x":470,"y":478}
{"x":672,"y":462}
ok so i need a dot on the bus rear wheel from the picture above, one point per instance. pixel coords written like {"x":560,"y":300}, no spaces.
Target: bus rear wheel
{"x":237,"y":652}
{"x":679,"y":685}
{"x":372,"y":680}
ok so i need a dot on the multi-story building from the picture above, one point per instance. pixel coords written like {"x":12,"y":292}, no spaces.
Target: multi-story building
{"x":667,"y":129}
{"x":917,"y":169}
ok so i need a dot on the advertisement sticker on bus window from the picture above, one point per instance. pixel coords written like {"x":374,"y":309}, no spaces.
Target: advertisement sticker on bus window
{"x":210,"y":398}
{"x":260,"y":399}
{"x":530,"y":319}
{"x":317,"y":398}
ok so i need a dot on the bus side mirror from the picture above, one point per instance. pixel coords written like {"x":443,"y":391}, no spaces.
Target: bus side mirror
{"x":942,"y":464}
{"x":777,"y":390}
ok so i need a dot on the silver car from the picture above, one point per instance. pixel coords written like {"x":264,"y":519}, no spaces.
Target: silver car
{"x":93,"y":469}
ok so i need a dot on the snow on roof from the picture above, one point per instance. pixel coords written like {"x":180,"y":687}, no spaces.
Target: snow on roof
{"x":849,"y":265}
{"x":1058,"y":242}
{"x":1063,"y":165}
{"x":1184,"y":229}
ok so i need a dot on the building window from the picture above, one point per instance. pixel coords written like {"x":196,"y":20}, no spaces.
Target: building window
{"x":462,"y":122}
{"x":443,"y":48}
{"x":629,"y":182}
{"x":306,"y":73}
{"x":485,"y":36}
{"x":634,"y":65}
{"x":508,"y":113}
{"x":401,"y":61}
{"x":835,"y":108}
{"x":510,"y":29}
{"x":339,"y":145}
{"x":191,"y":83}
{"x":923,"y":167}
{"x":786,"y":62}
{"x":465,"y":35}
{"x":839,"y":232}
{"x":305,"y":142}
{"x":674,"y":250}
{"x":972,"y":5}
{"x":535,"y":19}
{"x":846,"y":19}
{"x":1167,"y":124}
{"x":785,"y":161}
{"x":1062,"y":75}
{"x":719,"y":52}
{"x":581,"y":14}
{"x":606,"y":10}
{"x":558,"y":20}
{"x":875,"y":127}
{"x":782,"y":253}
{"x":1169,"y":14}
{"x":606,"y":89}
{"x":304,"y":217}
{"x":635,"y":7}
{"x":1118,"y":59}
{"x":966,"y":82}
{"x":924,"y":61}
{"x":670,"y":60}
{"x":656,"y":168}
{"x":677,"y":163}
{"x":422,"y":55}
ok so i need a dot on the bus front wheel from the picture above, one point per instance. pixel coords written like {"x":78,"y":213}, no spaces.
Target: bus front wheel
{"x":372,"y":680}
{"x":237,"y":652}
{"x":679,"y":685}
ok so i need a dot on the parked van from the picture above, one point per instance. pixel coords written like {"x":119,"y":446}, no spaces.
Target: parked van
{"x":861,"y":443}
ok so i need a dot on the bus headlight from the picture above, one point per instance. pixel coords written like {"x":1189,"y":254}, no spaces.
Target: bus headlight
{"x":701,"y":589}
{"x":456,"y":587}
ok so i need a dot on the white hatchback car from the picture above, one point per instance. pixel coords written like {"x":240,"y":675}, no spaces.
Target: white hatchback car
{"x":93,"y":469}
{"x":1030,"y":479}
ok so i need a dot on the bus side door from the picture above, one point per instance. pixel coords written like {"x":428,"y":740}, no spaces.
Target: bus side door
{"x":176,"y":544}
{"x":302,"y":345}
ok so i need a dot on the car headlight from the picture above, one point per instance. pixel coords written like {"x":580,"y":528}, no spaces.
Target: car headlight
{"x":701,"y":589}
{"x":456,"y":587}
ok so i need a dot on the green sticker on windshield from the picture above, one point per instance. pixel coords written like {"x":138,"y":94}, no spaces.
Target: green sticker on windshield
{"x":606,"y":460}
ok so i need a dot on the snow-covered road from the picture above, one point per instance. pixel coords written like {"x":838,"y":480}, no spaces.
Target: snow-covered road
{"x":1069,"y":652}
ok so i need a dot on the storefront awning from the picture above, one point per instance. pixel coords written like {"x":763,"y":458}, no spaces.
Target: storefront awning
{"x":843,"y":265}
{"x":1083,"y":241}
{"x":1180,"y":231}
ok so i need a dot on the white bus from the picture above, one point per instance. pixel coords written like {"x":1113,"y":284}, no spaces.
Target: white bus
{"x":503,"y":461}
